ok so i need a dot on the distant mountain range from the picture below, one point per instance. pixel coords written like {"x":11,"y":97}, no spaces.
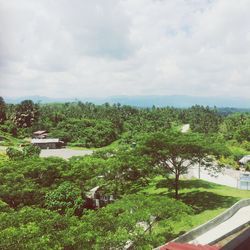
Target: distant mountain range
{"x":180,"y":101}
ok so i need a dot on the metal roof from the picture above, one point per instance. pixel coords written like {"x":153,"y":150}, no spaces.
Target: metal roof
{"x":52,"y":140}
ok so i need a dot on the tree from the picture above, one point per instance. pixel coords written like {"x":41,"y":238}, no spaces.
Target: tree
{"x":243,"y":132}
{"x":14,"y":154}
{"x":236,"y":126}
{"x":27,"y":152}
{"x":31,"y":151}
{"x":66,"y":198}
{"x":16,"y":190}
{"x":44,"y":171}
{"x":175,"y":152}
{"x":203,"y":119}
{"x":2,"y":110}
{"x":86,"y":132}
{"x":26,"y":114}
{"x":126,"y":172}
{"x":25,"y":182}
{"x":123,"y":221}
{"x":36,"y":228}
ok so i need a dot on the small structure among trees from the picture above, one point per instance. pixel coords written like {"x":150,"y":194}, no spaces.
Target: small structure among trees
{"x":40,"y":134}
{"x":96,"y":198}
{"x":244,"y":181}
{"x":244,"y":160}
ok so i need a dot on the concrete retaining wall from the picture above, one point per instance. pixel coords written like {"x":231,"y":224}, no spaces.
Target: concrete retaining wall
{"x":191,"y":235}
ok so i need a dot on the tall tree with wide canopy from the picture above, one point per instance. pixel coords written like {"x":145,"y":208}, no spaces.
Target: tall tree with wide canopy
{"x":175,"y":152}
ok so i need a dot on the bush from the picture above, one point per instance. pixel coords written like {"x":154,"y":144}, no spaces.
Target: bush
{"x":28,"y":151}
{"x":66,"y":198}
{"x":86,"y":132}
{"x":14,"y":154}
{"x":31,"y":151}
{"x":246,"y":145}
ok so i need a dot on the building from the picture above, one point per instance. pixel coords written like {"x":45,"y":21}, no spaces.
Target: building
{"x":96,"y":198}
{"x":40,"y":134}
{"x":244,"y":160}
{"x":47,"y":143}
{"x":244,"y":181}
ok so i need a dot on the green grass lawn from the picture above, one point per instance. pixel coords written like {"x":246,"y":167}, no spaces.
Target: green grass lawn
{"x":207,"y":200}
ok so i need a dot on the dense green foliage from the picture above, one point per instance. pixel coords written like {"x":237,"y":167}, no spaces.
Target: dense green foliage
{"x":175,"y":152}
{"x":2,"y":110}
{"x":66,"y":198}
{"x":45,"y":202}
{"x":26,"y":114}
{"x":41,"y":196}
{"x":89,"y":125}
{"x":27,"y":151}
{"x":83,"y":124}
{"x":202,"y":119}
{"x":86,"y":132}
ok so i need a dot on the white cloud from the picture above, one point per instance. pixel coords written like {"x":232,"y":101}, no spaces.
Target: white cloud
{"x":124,"y":47}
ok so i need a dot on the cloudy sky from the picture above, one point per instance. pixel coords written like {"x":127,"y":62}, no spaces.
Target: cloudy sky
{"x":99,"y":48}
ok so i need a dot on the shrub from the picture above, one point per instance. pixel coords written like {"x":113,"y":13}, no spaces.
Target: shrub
{"x":27,"y":152}
{"x":14,"y":154}
{"x":31,"y":151}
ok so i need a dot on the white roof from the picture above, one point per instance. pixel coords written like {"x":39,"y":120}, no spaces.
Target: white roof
{"x":185,"y":128}
{"x":91,"y":192}
{"x":52,"y":140}
{"x":39,"y":132}
{"x":245,"y":159}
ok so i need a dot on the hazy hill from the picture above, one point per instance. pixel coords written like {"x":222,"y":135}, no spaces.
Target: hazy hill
{"x":148,"y":101}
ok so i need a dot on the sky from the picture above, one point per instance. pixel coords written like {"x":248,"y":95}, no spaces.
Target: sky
{"x":97,"y":48}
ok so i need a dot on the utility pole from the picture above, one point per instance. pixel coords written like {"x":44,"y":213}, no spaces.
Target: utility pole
{"x":199,"y":169}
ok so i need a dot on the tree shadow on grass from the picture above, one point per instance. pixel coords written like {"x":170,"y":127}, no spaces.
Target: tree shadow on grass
{"x":203,"y":200}
{"x":185,"y":184}
{"x":195,"y":183}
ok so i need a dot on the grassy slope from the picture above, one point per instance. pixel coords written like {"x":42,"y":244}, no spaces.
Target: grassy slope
{"x":8,"y":140}
{"x":207,"y":199}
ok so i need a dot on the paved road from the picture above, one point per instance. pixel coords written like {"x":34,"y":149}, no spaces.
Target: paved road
{"x":227,"y":177}
{"x":241,"y":217}
{"x":64,"y":152}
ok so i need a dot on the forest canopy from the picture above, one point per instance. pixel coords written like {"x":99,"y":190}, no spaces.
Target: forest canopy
{"x":48,"y":203}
